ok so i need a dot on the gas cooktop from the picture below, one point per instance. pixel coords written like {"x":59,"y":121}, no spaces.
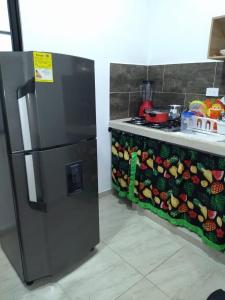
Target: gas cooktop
{"x":170,"y":125}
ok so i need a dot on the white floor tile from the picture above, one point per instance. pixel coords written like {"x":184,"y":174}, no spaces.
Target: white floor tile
{"x":132,"y":247}
{"x":144,"y":290}
{"x":114,"y":216}
{"x":104,"y":276}
{"x":189,"y":275}
{"x":11,"y":287}
{"x":49,"y":292}
{"x":142,"y":246}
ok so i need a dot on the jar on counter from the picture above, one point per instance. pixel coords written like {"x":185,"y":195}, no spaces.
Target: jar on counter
{"x":187,"y":120}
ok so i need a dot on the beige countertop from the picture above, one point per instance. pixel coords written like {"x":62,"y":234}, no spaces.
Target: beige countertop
{"x":212,"y":143}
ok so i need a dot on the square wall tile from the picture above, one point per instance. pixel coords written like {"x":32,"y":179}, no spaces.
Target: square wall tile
{"x":189,"y":78}
{"x":119,"y":105}
{"x":220,"y":77}
{"x":191,"y":97}
{"x":155,"y":73}
{"x":162,"y":100}
{"x":126,"y":78}
{"x":135,"y":102}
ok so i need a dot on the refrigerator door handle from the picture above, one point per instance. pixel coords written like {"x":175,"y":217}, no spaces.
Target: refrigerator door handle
{"x":33,"y":182}
{"x":23,"y":94}
{"x":31,"y":178}
{"x":24,"y":122}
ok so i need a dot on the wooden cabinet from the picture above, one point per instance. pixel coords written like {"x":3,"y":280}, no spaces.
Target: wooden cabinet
{"x":217,"y":38}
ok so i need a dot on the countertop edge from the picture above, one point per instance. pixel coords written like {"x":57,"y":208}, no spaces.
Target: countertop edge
{"x":182,"y":139}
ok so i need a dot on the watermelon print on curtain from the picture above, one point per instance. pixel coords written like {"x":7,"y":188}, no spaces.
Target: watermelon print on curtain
{"x":182,"y":185}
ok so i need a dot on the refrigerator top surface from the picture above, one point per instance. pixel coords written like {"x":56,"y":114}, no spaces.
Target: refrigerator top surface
{"x":58,"y":110}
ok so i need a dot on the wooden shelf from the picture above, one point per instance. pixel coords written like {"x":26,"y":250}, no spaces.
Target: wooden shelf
{"x":219,"y":57}
{"x":217,"y":38}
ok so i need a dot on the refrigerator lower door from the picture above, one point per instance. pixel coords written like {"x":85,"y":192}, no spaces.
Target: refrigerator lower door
{"x":68,"y":227}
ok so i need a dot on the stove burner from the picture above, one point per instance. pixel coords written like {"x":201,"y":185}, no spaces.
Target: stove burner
{"x":170,"y":125}
{"x":156,"y":125}
{"x":137,"y":121}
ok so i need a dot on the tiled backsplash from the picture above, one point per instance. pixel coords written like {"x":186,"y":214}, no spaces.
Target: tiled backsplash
{"x":173,"y":84}
{"x":125,"y":89}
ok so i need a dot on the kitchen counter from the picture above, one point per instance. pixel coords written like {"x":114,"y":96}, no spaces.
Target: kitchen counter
{"x":178,"y":176}
{"x":211,"y":143}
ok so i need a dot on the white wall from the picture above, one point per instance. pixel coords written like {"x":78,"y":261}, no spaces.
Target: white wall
{"x":125,"y":31}
{"x":179,"y":29}
{"x":106,"y":31}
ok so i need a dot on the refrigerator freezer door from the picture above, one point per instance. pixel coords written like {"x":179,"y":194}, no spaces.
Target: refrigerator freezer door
{"x":59,"y":113}
{"x":11,"y":77}
{"x":69,"y":227}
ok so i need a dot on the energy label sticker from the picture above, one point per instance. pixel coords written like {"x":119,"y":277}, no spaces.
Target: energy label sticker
{"x":43,"y":67}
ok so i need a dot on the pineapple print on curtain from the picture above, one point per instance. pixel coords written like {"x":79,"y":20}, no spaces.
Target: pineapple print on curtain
{"x":182,"y":185}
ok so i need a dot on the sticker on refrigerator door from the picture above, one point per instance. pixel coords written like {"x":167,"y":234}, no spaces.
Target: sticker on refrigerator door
{"x":43,"y":67}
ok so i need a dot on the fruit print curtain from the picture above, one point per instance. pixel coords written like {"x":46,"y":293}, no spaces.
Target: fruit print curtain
{"x":181,"y":185}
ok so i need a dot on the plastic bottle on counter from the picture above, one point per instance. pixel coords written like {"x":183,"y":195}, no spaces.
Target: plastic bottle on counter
{"x":186,"y":121}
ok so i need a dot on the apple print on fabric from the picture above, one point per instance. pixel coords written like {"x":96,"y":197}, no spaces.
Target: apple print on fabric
{"x":184,"y":186}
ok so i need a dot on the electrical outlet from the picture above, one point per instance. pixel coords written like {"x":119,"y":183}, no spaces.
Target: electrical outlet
{"x":212,"y":92}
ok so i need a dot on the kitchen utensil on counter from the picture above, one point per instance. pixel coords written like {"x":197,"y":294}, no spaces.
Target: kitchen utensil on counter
{"x":146,"y":94}
{"x":199,"y":108}
{"x":208,"y":102}
{"x":175,"y":111}
{"x":137,"y":121}
{"x":218,"y":104}
{"x":156,"y":116}
{"x":215,"y":113}
{"x":186,"y":120}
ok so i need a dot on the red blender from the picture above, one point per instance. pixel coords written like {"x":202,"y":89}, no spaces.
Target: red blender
{"x":146,"y":93}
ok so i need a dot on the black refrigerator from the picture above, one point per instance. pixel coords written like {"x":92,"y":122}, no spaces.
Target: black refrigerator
{"x":48,"y":161}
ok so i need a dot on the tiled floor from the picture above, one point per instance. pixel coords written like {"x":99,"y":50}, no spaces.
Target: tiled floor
{"x":136,"y":259}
